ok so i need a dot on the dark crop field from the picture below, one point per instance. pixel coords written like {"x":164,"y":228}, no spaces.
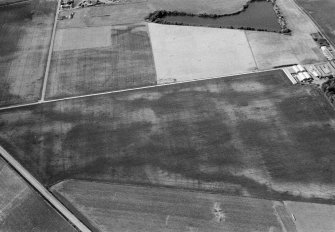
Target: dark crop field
{"x":23,"y":209}
{"x":110,"y":207}
{"x":25,"y":32}
{"x":251,"y":135}
{"x":322,"y":11}
{"x":125,"y":62}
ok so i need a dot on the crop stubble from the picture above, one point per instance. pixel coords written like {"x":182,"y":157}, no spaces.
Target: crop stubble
{"x":120,"y":59}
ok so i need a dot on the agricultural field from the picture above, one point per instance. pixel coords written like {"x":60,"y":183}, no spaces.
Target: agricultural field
{"x":249,"y":135}
{"x":25,"y":33}
{"x":187,"y":53}
{"x":311,"y":217}
{"x":22,"y":209}
{"x":322,"y":11}
{"x":271,"y":49}
{"x":95,"y":59}
{"x":299,"y":46}
{"x":111,"y":207}
{"x":135,"y":11}
{"x":107,"y":15}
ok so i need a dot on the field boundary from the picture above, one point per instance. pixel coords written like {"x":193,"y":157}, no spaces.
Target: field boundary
{"x":43,"y":191}
{"x":13,"y":3}
{"x":252,"y":52}
{"x":131,"y":89}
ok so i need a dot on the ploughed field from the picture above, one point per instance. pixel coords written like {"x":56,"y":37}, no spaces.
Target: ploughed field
{"x":25,"y":33}
{"x":106,"y":58}
{"x":251,"y":135}
{"x":23,"y":209}
{"x":111,"y":207}
{"x":322,"y":11}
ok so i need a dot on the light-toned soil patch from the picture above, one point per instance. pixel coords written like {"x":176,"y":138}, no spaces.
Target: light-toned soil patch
{"x":312,"y":217}
{"x":82,"y":38}
{"x":186,"y":53}
{"x":111,"y":207}
{"x":271,"y":49}
{"x":199,"y":6}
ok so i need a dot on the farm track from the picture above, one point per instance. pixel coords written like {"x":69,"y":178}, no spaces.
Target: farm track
{"x":45,"y":80}
{"x":13,"y":3}
{"x":315,"y":23}
{"x":122,"y":90}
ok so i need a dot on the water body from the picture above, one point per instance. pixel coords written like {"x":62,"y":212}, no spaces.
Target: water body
{"x":258,"y":15}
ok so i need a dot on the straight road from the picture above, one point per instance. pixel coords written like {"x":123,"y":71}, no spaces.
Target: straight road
{"x":124,"y":90}
{"x":318,"y":27}
{"x":43,"y":191}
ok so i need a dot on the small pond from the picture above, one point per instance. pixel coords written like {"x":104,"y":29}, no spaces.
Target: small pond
{"x":258,"y":15}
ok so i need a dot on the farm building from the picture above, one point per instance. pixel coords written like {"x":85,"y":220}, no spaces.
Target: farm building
{"x":317,"y":37}
{"x":303,"y":76}
{"x":307,"y":76}
{"x":300,"y":68}
{"x":86,"y":3}
{"x":296,"y":69}
{"x":326,"y":52}
{"x":332,"y":63}
{"x":67,"y":3}
{"x":325,"y":69}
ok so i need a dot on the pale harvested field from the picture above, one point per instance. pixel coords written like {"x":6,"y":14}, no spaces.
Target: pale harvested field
{"x":186,"y":53}
{"x":312,"y":217}
{"x":110,"y":207}
{"x":271,"y":49}
{"x":22,"y":209}
{"x":198,"y":6}
{"x":107,"y":15}
{"x":119,"y":58}
{"x":82,"y":38}
{"x":24,"y":46}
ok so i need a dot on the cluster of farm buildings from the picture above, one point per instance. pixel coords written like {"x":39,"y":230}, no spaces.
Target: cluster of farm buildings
{"x":299,"y":73}
{"x":326,"y":49}
{"x":305,"y":73}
